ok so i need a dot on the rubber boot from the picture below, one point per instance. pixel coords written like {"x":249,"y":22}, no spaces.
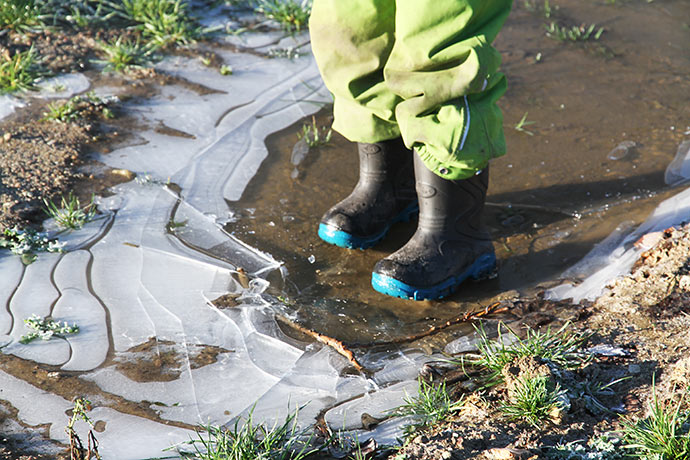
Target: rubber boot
{"x":385,"y":194}
{"x":450,"y":244}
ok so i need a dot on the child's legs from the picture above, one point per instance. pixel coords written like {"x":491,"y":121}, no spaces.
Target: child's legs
{"x":444,"y":68}
{"x":351,"y":41}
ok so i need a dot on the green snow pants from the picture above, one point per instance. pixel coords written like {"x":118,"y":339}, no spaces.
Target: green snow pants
{"x":421,"y":69}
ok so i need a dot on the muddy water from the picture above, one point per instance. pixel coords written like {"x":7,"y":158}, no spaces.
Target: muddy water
{"x":563,"y":187}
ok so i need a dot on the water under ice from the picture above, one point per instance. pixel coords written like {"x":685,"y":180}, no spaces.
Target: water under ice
{"x":139,"y":281}
{"x":616,"y":255}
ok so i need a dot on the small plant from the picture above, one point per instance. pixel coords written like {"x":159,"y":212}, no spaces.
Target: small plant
{"x":559,"y":347}
{"x":81,"y":14}
{"x":289,"y":52}
{"x":546,"y":10}
{"x":62,"y":111}
{"x":520,"y":126}
{"x":19,"y":71}
{"x":122,"y":55}
{"x":71,"y":214}
{"x":163,"y":22}
{"x":19,"y":15}
{"x":315,"y":136}
{"x":603,"y":447}
{"x":78,"y":107}
{"x":76,"y":447}
{"x":432,"y":405}
{"x":590,"y":391}
{"x":292,"y":15}
{"x":26,"y":243}
{"x":661,"y":436}
{"x":45,"y":329}
{"x":173,"y":225}
{"x":534,"y":400}
{"x":225,"y":70}
{"x":574,"y":33}
{"x":245,"y":441}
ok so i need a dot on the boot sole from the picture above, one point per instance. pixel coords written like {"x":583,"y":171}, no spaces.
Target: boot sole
{"x":333,"y":235}
{"x":482,"y":268}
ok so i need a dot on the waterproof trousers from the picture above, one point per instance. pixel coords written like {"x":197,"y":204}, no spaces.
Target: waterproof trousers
{"x":421,"y":69}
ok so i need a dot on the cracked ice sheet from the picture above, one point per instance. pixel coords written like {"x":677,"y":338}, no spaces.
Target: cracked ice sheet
{"x":144,"y":281}
{"x":623,"y":254}
{"x":217,"y":391}
{"x":143,"y":437}
{"x":63,"y":86}
{"x":261,"y":97}
{"x":8,"y":104}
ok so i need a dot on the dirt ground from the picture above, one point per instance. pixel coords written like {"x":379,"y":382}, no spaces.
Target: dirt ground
{"x":643,"y":317}
{"x":640,"y":325}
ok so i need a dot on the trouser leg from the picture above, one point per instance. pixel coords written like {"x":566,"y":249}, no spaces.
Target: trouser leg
{"x":445,"y":70}
{"x":351,"y":41}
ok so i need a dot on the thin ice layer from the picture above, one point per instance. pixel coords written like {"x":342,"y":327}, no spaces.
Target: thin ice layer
{"x":140,"y":282}
{"x":125,"y":437}
{"x":8,"y":104}
{"x":670,"y":212}
{"x":63,"y":86}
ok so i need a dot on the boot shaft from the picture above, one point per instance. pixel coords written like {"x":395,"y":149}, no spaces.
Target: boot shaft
{"x":387,"y":164}
{"x":453,"y":207}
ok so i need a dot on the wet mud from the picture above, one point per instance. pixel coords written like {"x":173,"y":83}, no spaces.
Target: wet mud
{"x":163,"y":361}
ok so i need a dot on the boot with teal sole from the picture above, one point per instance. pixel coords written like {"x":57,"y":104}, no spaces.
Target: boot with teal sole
{"x":450,"y":244}
{"x":385,"y":194}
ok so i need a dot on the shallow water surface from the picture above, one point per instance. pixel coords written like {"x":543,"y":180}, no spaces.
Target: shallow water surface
{"x":607,"y":115}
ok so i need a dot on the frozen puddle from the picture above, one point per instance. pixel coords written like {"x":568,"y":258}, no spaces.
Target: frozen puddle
{"x":139,"y":283}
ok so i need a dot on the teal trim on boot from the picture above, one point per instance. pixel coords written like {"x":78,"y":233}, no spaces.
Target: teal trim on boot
{"x":384,"y":195}
{"x":450,"y":244}
{"x":482,"y":268}
{"x":346,"y":240}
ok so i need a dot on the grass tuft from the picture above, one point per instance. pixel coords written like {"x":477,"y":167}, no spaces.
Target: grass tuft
{"x":19,"y":15}
{"x":315,"y":136}
{"x":560,"y":347}
{"x":533,"y":6}
{"x":122,"y":55}
{"x":661,"y":436}
{"x":79,"y":107}
{"x":81,"y":14}
{"x":431,"y":406}
{"x":71,"y":214}
{"x":520,"y":125}
{"x":534,"y":400}
{"x":292,"y":15}
{"x":162,"y":22}
{"x":26,"y":243}
{"x":574,"y":33}
{"x":249,"y":441}
{"x":19,"y":71}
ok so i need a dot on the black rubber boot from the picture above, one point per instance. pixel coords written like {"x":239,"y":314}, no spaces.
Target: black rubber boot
{"x":450,"y":244}
{"x":384,"y":194}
